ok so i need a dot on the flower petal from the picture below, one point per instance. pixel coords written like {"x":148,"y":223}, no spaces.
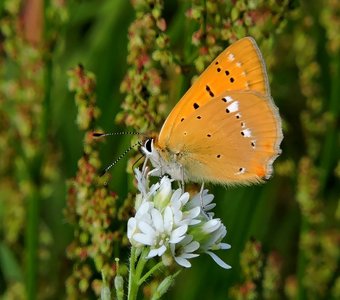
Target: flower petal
{"x":157,"y":220}
{"x":146,"y":228}
{"x":178,"y":234}
{"x":143,"y":209}
{"x":193,"y":246}
{"x":184,"y":198}
{"x":163,"y":194}
{"x":207,"y":199}
{"x":161,"y":250}
{"x":217,"y":260}
{"x":194,"y":212}
{"x":224,"y":246}
{"x":209,"y":206}
{"x":211,"y":225}
{"x":189,"y":255}
{"x":131,"y":227}
{"x":168,"y":219}
{"x":176,"y":195}
{"x":177,"y":213}
{"x":183,"y":262}
{"x":194,"y":222}
{"x":152,"y":253}
{"x":143,"y":239}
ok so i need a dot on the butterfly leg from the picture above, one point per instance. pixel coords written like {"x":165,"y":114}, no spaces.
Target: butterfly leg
{"x":182,"y":179}
{"x":201,"y":196}
{"x":144,"y":164}
{"x":153,"y":172}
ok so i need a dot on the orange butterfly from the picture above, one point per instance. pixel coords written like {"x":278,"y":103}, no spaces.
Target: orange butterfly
{"x":226,"y":128}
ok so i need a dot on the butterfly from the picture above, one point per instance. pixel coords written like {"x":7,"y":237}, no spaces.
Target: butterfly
{"x":226,"y":128}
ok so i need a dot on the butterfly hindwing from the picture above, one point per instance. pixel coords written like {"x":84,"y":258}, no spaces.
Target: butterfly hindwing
{"x":232,"y":139}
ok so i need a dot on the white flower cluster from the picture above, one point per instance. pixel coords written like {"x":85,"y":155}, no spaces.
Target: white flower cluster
{"x":173,"y":226}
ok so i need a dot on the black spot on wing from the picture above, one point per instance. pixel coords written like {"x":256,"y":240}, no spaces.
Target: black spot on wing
{"x":208,"y":89}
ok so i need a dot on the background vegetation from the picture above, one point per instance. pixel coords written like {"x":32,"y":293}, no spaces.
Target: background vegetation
{"x":61,"y":225}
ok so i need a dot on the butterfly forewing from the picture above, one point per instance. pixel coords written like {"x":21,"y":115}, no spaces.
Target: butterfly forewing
{"x":239,"y":67}
{"x":232,"y":139}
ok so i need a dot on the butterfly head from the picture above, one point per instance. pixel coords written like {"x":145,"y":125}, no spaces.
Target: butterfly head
{"x":162,"y":160}
{"x":148,"y":149}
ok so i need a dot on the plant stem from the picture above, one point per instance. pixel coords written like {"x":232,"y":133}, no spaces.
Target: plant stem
{"x":149,"y":273}
{"x":141,"y":263}
{"x":135,"y":272}
{"x":135,"y":275}
{"x":131,"y":286}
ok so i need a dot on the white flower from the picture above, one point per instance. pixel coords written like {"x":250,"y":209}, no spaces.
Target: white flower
{"x":204,"y":201}
{"x":171,"y":224}
{"x":210,"y":235}
{"x":163,"y":195}
{"x":142,"y":215}
{"x":160,"y":232}
{"x":143,"y":187}
{"x":142,"y":181}
{"x":159,"y":221}
{"x":184,"y":251}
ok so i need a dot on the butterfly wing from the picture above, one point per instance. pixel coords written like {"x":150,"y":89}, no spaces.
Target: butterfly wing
{"x":234,"y":138}
{"x":239,"y":67}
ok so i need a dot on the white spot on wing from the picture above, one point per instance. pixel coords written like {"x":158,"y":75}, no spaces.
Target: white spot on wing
{"x":238,"y":115}
{"x":231,"y":57}
{"x":233,"y":106}
{"x":246,"y":85}
{"x":238,"y":64}
{"x":228,"y":99}
{"x":253,"y":144}
{"x":241,"y":171}
{"x":246,"y":132}
{"x":243,"y":125}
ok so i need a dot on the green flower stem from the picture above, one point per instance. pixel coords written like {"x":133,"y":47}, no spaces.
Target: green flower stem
{"x":135,"y":273}
{"x":135,"y":277}
{"x":149,"y":273}
{"x":131,"y":274}
{"x":141,"y":263}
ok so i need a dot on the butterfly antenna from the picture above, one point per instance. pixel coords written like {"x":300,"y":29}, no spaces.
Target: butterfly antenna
{"x":98,"y":134}
{"x":139,"y":143}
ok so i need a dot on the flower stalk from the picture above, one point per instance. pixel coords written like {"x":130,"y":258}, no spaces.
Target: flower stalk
{"x":136,"y":279}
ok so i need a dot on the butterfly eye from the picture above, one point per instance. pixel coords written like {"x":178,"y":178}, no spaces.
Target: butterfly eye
{"x":148,"y":145}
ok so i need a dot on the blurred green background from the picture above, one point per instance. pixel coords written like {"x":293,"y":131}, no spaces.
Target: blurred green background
{"x":59,"y":227}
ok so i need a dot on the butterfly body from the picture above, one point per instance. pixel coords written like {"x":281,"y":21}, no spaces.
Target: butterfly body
{"x":226,"y":129}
